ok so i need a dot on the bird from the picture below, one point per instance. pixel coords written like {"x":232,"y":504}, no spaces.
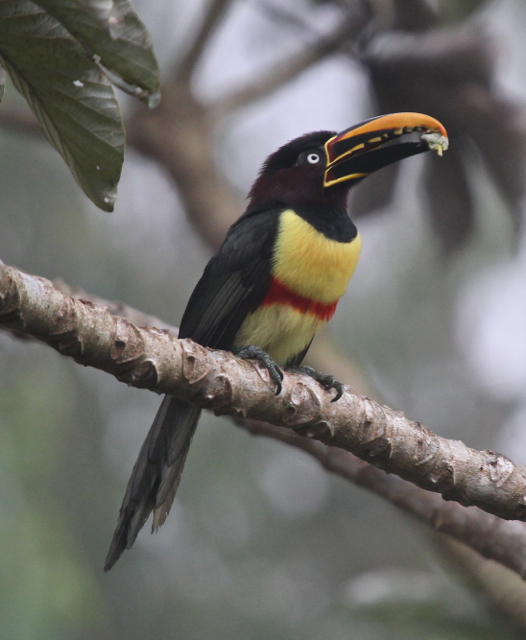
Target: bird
{"x":273,"y":284}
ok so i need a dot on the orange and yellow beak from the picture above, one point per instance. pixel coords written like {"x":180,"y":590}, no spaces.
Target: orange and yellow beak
{"x":376,"y":143}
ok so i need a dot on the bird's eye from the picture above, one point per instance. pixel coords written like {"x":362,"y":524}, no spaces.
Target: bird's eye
{"x":313,"y":158}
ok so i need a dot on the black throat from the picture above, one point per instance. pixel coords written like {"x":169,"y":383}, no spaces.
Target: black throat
{"x":329,"y":218}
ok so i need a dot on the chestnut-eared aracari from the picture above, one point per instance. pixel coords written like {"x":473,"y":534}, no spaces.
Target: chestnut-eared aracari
{"x":274,"y":282}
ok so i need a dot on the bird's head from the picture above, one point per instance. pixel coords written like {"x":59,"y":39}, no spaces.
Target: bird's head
{"x":323,"y":166}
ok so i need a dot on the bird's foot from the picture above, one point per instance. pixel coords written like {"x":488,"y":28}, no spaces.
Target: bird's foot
{"x":252,"y":352}
{"x":326,"y":380}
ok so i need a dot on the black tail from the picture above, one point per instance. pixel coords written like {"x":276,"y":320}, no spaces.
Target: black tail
{"x":156,"y":474}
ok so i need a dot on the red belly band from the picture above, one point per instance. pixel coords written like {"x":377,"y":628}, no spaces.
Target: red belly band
{"x":279,"y":293}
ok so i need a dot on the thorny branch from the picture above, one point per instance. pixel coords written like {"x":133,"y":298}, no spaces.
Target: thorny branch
{"x":148,"y":358}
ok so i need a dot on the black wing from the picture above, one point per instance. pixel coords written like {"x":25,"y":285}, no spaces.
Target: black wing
{"x":234,"y":282}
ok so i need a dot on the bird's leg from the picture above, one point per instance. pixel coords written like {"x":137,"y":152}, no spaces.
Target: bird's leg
{"x":253,"y":352}
{"x":326,"y":380}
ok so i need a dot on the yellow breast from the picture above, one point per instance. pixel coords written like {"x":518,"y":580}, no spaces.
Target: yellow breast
{"x":310,"y":263}
{"x":279,"y":330}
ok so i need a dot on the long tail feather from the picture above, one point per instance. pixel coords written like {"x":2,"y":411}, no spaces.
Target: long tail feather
{"x":156,"y":474}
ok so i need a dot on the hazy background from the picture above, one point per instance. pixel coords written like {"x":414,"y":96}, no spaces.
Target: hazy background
{"x":261,"y":542}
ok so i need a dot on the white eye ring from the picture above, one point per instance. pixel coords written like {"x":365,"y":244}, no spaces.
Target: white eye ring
{"x":313,"y":158}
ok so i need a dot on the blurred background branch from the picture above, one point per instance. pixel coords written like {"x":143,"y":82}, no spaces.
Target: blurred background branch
{"x":287,"y":70}
{"x":485,"y":533}
{"x":214,"y":14}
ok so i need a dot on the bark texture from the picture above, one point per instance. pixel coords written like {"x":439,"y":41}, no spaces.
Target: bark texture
{"x":500,"y":540}
{"x":147,"y":357}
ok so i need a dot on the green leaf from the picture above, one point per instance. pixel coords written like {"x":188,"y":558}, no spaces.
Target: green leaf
{"x":98,"y":10}
{"x":2,"y":82}
{"x":119,"y":41}
{"x":73,"y":100}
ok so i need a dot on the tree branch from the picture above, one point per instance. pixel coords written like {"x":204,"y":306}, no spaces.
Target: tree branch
{"x":492,"y":537}
{"x":116,"y":308}
{"x":489,"y":535}
{"x":285,"y":71}
{"x":22,"y":121}
{"x":178,"y":134}
{"x":149,"y":358}
{"x":500,"y":590}
{"x":214,"y":14}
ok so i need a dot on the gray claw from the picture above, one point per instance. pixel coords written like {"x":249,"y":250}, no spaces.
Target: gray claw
{"x":252,"y":352}
{"x":325,"y":379}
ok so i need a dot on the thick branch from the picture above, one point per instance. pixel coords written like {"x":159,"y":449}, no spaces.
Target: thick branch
{"x":148,"y":358}
{"x":116,"y":307}
{"x":492,"y":537}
